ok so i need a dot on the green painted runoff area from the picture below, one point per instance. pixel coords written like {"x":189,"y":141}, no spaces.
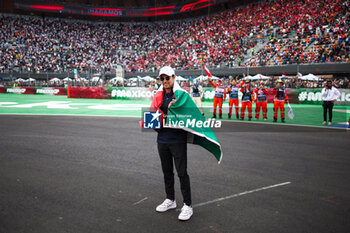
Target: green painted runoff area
{"x":61,"y":105}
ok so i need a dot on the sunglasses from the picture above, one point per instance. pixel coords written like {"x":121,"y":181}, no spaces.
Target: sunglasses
{"x":167,"y":78}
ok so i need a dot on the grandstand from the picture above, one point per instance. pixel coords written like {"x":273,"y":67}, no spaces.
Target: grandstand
{"x":279,"y":33}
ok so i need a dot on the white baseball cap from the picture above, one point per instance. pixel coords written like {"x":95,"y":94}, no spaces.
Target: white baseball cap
{"x":167,"y":70}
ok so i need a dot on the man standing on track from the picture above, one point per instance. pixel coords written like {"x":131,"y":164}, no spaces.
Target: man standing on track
{"x":280,"y":98}
{"x":196,"y":93}
{"x":247,"y":99}
{"x":233,"y":90}
{"x":219,"y":97}
{"x":329,"y":95}
{"x":261,"y":101}
{"x":172,"y":148}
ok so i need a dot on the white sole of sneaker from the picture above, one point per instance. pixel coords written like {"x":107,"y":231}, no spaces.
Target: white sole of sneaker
{"x":162,"y":211}
{"x":185,"y":219}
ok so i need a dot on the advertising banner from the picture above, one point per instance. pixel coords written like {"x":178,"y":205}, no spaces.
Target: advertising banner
{"x":148,"y":93}
{"x":302,"y":96}
{"x":171,"y":9}
{"x":21,"y":90}
{"x":313,"y":96}
{"x":88,"y":92}
{"x":51,"y":91}
{"x":132,"y":93}
{"x":296,"y":96}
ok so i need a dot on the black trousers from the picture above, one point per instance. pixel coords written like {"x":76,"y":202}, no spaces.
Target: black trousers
{"x":327,"y":106}
{"x":170,"y":154}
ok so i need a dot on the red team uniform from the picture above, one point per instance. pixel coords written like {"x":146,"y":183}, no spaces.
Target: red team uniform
{"x":246,"y":101}
{"x":261,"y":102}
{"x":220,"y":95}
{"x":280,"y":98}
{"x":233,"y":93}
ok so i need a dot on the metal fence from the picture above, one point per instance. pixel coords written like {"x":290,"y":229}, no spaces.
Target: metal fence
{"x":340,"y":69}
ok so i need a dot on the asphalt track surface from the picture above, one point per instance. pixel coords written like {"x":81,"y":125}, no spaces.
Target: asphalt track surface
{"x":102,"y":174}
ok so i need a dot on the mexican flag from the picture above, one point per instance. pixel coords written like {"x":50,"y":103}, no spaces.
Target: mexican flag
{"x":185,"y":114}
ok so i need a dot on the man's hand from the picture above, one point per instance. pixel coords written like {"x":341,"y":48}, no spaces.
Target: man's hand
{"x":333,"y":101}
{"x":171,"y":103}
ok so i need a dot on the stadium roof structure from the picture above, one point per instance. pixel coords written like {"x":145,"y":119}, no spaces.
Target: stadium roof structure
{"x":122,"y":10}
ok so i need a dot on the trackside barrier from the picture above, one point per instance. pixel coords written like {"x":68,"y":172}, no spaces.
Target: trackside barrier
{"x":132,"y":93}
{"x":35,"y":90}
{"x":313,"y":96}
{"x":21,"y":90}
{"x":296,"y":96}
{"x":89,"y":92}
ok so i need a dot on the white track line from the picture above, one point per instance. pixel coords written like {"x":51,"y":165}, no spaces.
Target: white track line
{"x":240,"y":194}
{"x":142,"y":200}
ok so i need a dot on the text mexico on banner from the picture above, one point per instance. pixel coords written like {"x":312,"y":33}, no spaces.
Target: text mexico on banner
{"x":313,"y":96}
{"x":148,"y":93}
{"x":132,"y":93}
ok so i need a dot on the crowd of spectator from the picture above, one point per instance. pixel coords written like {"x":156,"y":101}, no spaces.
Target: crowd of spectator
{"x":320,"y":36}
{"x":292,"y":31}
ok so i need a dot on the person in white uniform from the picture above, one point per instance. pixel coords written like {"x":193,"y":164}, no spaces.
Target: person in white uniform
{"x":329,"y":95}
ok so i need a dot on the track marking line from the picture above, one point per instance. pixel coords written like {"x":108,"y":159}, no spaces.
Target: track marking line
{"x":240,"y":194}
{"x":342,"y":110}
{"x":142,"y":200}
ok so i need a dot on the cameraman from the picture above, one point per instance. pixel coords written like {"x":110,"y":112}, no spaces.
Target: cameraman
{"x":329,"y":95}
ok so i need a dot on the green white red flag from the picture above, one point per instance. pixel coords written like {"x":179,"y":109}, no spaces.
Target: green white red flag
{"x":185,"y":110}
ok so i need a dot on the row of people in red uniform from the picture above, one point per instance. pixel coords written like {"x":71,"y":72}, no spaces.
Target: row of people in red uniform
{"x":249,"y":95}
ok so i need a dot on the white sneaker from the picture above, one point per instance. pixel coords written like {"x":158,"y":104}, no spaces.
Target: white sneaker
{"x":186,"y":213}
{"x":166,"y":205}
{"x":324,"y":123}
{"x":329,"y":123}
